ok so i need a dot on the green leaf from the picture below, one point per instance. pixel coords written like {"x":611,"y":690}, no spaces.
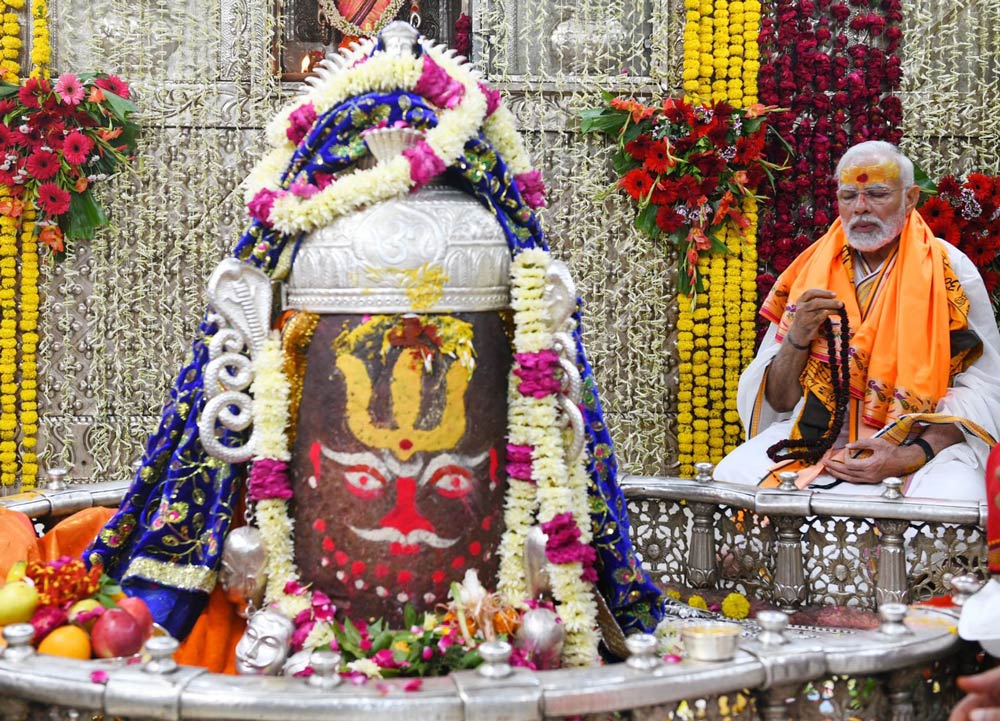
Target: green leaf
{"x":634,"y":130}
{"x":382,"y":640}
{"x":119,"y":107}
{"x":85,"y":216}
{"x":922,"y":179}
{"x":623,"y":162}
{"x":603,"y":120}
{"x":645,"y":221}
{"x":409,"y":616}
{"x":8,"y":89}
{"x":717,"y":245}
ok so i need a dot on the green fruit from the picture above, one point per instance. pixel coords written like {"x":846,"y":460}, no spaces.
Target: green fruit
{"x":18,"y":601}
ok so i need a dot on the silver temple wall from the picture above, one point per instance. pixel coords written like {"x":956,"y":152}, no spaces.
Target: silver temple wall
{"x":118,"y":315}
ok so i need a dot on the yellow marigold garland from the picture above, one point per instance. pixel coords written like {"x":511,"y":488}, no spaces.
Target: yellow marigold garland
{"x":8,"y":344}
{"x":10,"y":41}
{"x":41,"y":47}
{"x":28,"y":328}
{"x":715,"y":334}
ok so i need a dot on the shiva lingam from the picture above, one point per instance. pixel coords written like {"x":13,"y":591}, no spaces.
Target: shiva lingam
{"x":396,"y":322}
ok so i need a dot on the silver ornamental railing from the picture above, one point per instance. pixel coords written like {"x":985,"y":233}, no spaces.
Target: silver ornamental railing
{"x":797,"y":547}
{"x":785,"y":671}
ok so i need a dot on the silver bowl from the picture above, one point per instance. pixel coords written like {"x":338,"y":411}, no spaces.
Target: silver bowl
{"x":711,"y":640}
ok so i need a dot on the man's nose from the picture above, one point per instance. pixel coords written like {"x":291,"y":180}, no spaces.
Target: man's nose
{"x":862,"y":204}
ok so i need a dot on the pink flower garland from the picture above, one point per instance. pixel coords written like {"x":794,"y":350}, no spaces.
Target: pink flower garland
{"x":537,"y":373}
{"x":268,"y":479}
{"x":563,"y":545}
{"x":519,"y":462}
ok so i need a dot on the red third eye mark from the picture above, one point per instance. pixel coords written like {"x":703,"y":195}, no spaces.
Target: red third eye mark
{"x":452,"y":481}
{"x":406,"y":444}
{"x":364,"y":481}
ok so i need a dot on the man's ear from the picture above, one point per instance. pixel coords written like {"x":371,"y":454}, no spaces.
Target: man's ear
{"x":912,"y":196}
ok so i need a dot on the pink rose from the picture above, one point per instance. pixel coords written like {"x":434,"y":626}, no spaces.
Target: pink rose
{"x":437,"y":86}
{"x":492,"y":98}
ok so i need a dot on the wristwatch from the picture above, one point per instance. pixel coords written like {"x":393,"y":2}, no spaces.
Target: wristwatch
{"x":925,"y":447}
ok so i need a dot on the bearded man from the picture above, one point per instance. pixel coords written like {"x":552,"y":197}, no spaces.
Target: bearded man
{"x":914,"y":391}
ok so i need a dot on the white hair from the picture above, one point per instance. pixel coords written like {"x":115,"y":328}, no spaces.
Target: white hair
{"x":877,"y":149}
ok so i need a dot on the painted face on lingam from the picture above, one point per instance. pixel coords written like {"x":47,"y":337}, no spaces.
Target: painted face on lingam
{"x":398,"y":465}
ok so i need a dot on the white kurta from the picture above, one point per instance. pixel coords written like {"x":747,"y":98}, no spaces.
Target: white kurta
{"x":957,"y":472}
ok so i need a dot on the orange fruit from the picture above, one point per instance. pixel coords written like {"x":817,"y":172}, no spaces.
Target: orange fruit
{"x":67,"y":641}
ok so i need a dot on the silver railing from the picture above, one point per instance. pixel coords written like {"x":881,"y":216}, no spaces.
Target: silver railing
{"x":770,"y":668}
{"x":797,"y":547}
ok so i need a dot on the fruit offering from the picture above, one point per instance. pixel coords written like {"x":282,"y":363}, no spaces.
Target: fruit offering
{"x":77,"y":612}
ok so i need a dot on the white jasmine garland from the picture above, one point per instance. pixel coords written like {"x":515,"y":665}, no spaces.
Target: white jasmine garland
{"x":556,"y":488}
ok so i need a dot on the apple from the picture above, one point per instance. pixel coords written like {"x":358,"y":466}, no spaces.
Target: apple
{"x":138,"y":609}
{"x":18,"y":601}
{"x":116,"y":633}
{"x":84,"y":613}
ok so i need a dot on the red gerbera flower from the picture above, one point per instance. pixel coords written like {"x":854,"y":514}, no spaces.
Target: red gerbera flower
{"x":938,"y":214}
{"x":29,"y":92}
{"x":53,"y":199}
{"x":118,"y":86}
{"x":637,"y":183}
{"x":42,"y":164}
{"x":640,"y":147}
{"x":979,"y":249}
{"x":948,"y":185}
{"x":76,"y":147}
{"x":669,"y":219}
{"x":658,"y":159}
{"x":982,"y":185}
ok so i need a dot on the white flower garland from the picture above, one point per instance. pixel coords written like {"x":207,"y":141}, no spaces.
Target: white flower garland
{"x":555,"y":488}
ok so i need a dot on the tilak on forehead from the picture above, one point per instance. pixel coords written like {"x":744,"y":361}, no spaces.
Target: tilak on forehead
{"x":862,"y":175}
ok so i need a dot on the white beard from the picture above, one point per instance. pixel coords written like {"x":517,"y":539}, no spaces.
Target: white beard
{"x":884,"y":233}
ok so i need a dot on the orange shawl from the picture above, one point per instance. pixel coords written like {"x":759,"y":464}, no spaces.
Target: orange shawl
{"x":901,"y":340}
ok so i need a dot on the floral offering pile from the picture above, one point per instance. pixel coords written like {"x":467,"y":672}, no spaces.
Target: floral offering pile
{"x":76,"y":612}
{"x":58,"y":138}
{"x":687,"y":167}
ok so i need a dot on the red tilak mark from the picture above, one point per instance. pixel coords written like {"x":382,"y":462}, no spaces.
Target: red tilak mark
{"x":404,"y":577}
{"x":863,"y":178}
{"x":494,"y":464}
{"x":438,"y":577}
{"x":406,"y":444}
{"x":475,"y":547}
{"x":458,"y":562}
{"x":487,"y":522}
{"x":314,"y":454}
{"x":381,"y":570}
{"x":328,"y":544}
{"x":340,"y":557}
{"x":319,"y":525}
{"x":405,"y":517}
{"x":358,"y":567}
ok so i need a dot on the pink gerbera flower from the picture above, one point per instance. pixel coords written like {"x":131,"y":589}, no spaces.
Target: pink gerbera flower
{"x":53,"y":199}
{"x":70,"y":89}
{"x":76,"y":147}
{"x":43,"y":164}
{"x":114,"y":84}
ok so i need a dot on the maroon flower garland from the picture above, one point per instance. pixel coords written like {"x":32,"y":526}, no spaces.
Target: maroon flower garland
{"x":833,"y":65}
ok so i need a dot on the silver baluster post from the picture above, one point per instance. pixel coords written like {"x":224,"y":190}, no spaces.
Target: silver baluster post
{"x":324,"y":665}
{"x":496,"y":659}
{"x":789,"y":576}
{"x":161,"y":651}
{"x":642,"y":652}
{"x":702,"y":565}
{"x":890,"y":582}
